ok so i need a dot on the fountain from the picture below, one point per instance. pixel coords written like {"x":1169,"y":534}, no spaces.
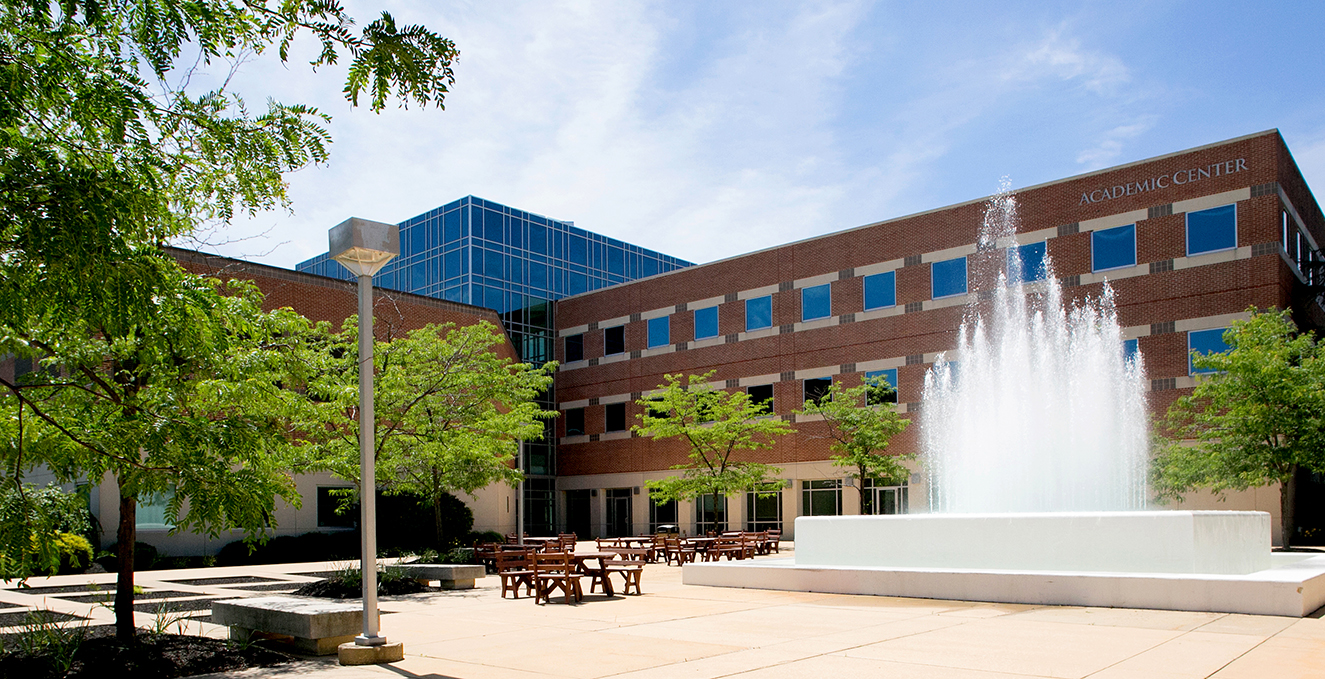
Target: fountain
{"x":1035,"y":449}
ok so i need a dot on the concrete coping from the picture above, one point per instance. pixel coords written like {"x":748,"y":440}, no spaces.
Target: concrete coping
{"x":316,"y":626}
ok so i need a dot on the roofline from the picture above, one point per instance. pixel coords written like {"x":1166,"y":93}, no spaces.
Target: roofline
{"x":1274,"y":131}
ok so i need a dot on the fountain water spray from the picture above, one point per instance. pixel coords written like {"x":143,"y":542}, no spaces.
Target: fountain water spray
{"x":1041,"y":411}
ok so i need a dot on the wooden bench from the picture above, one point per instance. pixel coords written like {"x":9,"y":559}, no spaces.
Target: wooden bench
{"x":451,"y":576}
{"x":310,"y":626}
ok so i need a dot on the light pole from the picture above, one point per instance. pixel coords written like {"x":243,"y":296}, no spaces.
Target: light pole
{"x":364,"y":247}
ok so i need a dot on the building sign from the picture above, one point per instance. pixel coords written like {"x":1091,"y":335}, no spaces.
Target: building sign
{"x":1164,"y":181}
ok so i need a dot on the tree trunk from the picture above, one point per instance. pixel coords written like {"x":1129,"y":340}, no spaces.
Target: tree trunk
{"x":1287,"y":505}
{"x":437,"y":521}
{"x":127,"y":535}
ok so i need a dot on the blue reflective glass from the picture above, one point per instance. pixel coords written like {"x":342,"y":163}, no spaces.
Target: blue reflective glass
{"x":418,"y":276}
{"x":538,"y":238}
{"x":1205,"y":342}
{"x":517,"y":233}
{"x":538,"y":275}
{"x":1112,"y":248}
{"x":881,"y":290}
{"x":451,"y":264}
{"x":616,"y":260}
{"x":492,"y":264}
{"x":453,"y":294}
{"x":759,"y":313}
{"x":494,"y":298}
{"x":706,"y":322}
{"x":493,"y":226}
{"x":579,"y":250}
{"x":576,"y":283}
{"x":514,"y":269}
{"x":889,"y":376}
{"x":451,"y":226}
{"x":1130,"y":351}
{"x":649,"y":267}
{"x":816,"y":302}
{"x":948,"y":278}
{"x":660,"y":332}
{"x":1213,"y":229}
{"x":1031,"y":258}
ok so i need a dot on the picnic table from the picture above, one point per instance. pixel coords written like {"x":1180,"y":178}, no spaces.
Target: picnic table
{"x":596,"y":572}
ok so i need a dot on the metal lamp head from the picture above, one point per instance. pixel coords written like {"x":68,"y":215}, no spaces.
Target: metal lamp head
{"x":364,"y":246}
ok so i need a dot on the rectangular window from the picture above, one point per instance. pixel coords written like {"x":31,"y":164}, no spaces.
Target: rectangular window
{"x":883,"y":378}
{"x":762,"y":395}
{"x":821,"y":498}
{"x":883,"y":496}
{"x":327,"y":504}
{"x":575,"y":422}
{"x":151,"y":512}
{"x":614,"y":340}
{"x":575,"y":348}
{"x":759,"y":313}
{"x":664,"y":514}
{"x":948,"y":278}
{"x":706,"y":323}
{"x":817,"y":388}
{"x":1026,"y":262}
{"x":816,"y":302}
{"x":1212,"y":230}
{"x":1204,"y":342}
{"x":710,"y":513}
{"x":615,"y":417}
{"x":1113,"y":248}
{"x":660,"y":332}
{"x":1130,"y":351}
{"x":881,"y":290}
{"x":763,"y":511}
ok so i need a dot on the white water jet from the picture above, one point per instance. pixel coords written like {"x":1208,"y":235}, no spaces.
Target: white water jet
{"x":1041,"y":411}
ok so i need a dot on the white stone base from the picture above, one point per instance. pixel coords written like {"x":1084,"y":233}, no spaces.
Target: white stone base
{"x":354,"y":654}
{"x":1294,"y":586}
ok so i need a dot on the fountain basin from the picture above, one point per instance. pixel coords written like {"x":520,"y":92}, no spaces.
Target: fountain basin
{"x":1208,"y":542}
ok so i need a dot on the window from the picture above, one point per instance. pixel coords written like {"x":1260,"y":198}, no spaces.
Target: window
{"x":327,"y":504}
{"x":657,"y":411}
{"x":615,"y":417}
{"x":706,"y":323}
{"x":151,"y":512}
{"x":821,"y":498}
{"x":664,"y":514}
{"x":882,"y":496}
{"x":816,"y":389}
{"x":1026,"y":263}
{"x":883,"y":377}
{"x":881,"y":290}
{"x":1212,"y":230}
{"x":1130,"y":351}
{"x":816,"y":302}
{"x":763,"y":511}
{"x":575,"y":348}
{"x":948,"y":278}
{"x":1113,"y":248}
{"x":614,"y":340}
{"x":1204,"y":342}
{"x":710,"y":513}
{"x":575,"y":422}
{"x":660,"y":332}
{"x":759,"y":313}
{"x":762,"y":395}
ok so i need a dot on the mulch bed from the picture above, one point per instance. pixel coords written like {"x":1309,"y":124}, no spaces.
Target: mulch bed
{"x":177,"y":606}
{"x":149,"y":656}
{"x":237,"y":580}
{"x":20,"y":617}
{"x":334,"y":589}
{"x":287,"y":586}
{"x":108,"y":596}
{"x":63,"y":589}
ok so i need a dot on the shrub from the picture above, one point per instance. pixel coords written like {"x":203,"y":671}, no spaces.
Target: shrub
{"x":292,"y":549}
{"x":75,"y":553}
{"x":144,"y":557}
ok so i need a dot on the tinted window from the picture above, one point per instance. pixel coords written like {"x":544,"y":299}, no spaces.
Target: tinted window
{"x":575,"y":422}
{"x":948,"y":277}
{"x":881,"y":290}
{"x":817,"y":388}
{"x":883,"y":377}
{"x":762,"y":395}
{"x":615,"y":417}
{"x":1213,"y":229}
{"x":1205,"y":342}
{"x":1026,"y":262}
{"x":660,"y":333}
{"x":816,"y":302}
{"x":759,"y":313}
{"x":1130,"y":351}
{"x":1113,"y":248}
{"x":614,"y":340}
{"x":327,"y":504}
{"x":706,"y":322}
{"x":575,"y":348}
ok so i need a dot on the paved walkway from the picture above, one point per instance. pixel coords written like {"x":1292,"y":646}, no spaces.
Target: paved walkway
{"x":675,"y":630}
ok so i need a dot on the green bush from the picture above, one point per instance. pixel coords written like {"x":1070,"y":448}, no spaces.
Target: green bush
{"x":342,"y":546}
{"x":475,"y":539}
{"x":75,"y":553}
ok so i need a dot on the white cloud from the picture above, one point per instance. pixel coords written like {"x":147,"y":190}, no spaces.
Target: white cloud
{"x":1107,"y":150}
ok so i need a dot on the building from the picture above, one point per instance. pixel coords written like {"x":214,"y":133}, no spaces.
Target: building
{"x":1188,"y":241}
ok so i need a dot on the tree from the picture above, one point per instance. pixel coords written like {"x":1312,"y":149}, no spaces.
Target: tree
{"x":1256,"y":419}
{"x":450,"y":412}
{"x":190,"y":406}
{"x":31,"y":522}
{"x":861,"y":422}
{"x":717,"y":426}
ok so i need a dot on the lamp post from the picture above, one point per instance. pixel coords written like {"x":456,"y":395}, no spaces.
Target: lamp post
{"x":364,"y":247}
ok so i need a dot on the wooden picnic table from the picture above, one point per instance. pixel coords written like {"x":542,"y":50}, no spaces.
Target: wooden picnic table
{"x":599,"y":571}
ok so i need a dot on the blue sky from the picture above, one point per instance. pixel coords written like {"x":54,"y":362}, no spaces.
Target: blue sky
{"x":706,"y":129}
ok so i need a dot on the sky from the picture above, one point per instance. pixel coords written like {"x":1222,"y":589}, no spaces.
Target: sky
{"x":710,"y":129}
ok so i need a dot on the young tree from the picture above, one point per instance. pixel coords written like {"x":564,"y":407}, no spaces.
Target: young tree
{"x":187,"y":403}
{"x":718,"y":426}
{"x":861,"y":422}
{"x":1256,"y":419}
{"x":450,"y":412}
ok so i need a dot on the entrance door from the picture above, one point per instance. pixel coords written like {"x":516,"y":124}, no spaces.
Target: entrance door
{"x":618,"y":512}
{"x":577,"y":514}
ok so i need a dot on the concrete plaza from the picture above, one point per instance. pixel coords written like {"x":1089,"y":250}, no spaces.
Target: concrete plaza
{"x":675,"y":630}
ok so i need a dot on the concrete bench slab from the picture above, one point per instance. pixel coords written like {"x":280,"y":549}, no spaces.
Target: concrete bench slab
{"x":451,"y":576}
{"x":315,"y":627}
